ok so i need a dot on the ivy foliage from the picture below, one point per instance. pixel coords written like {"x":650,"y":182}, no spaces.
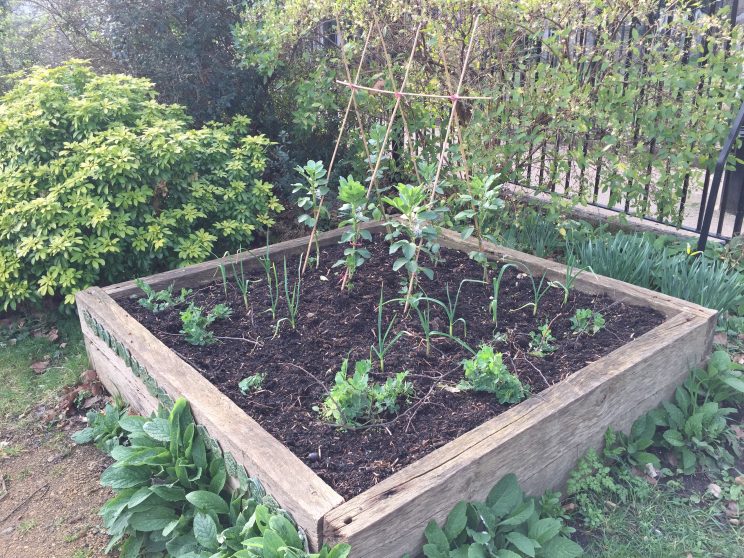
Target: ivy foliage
{"x":100,"y":182}
{"x":172,"y":496}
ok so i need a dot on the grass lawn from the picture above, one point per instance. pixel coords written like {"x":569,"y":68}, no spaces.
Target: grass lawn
{"x":668,"y":522}
{"x":22,"y":389}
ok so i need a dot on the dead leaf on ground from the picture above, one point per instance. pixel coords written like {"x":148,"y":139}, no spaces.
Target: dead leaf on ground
{"x":52,"y":334}
{"x":715,"y":490}
{"x":738,"y":432}
{"x":40,"y":366}
{"x":732,"y":509}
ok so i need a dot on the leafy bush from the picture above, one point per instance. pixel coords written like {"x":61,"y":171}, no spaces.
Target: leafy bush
{"x":99,"y":182}
{"x":506,"y":525}
{"x":172,"y":497}
{"x":487,"y":372}
{"x":626,"y":257}
{"x":353,"y":399}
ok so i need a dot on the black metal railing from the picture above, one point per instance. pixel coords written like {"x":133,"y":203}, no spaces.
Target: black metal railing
{"x":732,"y":188}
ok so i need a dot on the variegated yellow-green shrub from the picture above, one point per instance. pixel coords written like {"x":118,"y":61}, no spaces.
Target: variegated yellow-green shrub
{"x":99,"y":182}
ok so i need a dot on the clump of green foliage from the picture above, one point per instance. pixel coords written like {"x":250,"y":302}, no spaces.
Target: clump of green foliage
{"x":354,"y":212}
{"x":587,"y":321}
{"x":103,"y":428}
{"x":159,"y":301}
{"x":195,"y":323}
{"x":254,"y":382}
{"x":172,"y":496}
{"x":507,"y":525}
{"x":353,"y":400}
{"x":99,"y":182}
{"x":541,"y":341}
{"x":487,"y":372}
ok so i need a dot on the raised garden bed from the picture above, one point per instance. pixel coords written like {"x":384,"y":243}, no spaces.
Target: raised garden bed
{"x":376,"y":486}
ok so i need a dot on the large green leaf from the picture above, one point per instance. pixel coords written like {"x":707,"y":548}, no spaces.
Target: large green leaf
{"x":154,"y":519}
{"x":205,"y":530}
{"x":561,"y":547}
{"x":456,"y":521}
{"x":125,"y":477}
{"x":207,"y":501}
{"x":524,"y":544}
{"x":157,"y":429}
{"x":505,"y":496}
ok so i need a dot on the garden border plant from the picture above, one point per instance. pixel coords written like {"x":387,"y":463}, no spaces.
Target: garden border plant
{"x":609,"y":392}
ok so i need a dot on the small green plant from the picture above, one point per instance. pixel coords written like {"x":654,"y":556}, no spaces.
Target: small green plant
{"x":571,"y":276}
{"x":384,"y":342}
{"x":587,"y":321}
{"x":496,"y":283}
{"x":413,"y":233}
{"x":103,"y":428}
{"x":539,"y":290}
{"x":292,"y":295}
{"x":159,"y":301}
{"x":487,"y":372}
{"x":195,"y":323}
{"x":694,"y":428}
{"x":352,"y":400}
{"x":241,"y":281}
{"x":254,"y":382}
{"x":422,"y":306}
{"x":541,"y":341}
{"x":354,"y":213}
{"x":450,"y":309}
{"x":591,"y":484}
{"x":508,"y":524}
{"x":310,"y":192}
{"x":483,"y":207}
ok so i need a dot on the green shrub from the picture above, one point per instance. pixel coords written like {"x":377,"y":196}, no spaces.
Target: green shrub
{"x":99,"y":182}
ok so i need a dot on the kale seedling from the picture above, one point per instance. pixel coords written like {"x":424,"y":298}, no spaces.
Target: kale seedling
{"x":587,"y":321}
{"x":251,"y":383}
{"x":195,"y":323}
{"x":486,"y":372}
{"x":158,"y":301}
{"x":541,"y":341}
{"x":353,"y":400}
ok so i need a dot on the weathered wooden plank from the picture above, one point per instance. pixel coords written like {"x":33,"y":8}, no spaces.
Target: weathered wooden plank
{"x":206,"y":272}
{"x":294,"y":485}
{"x":587,"y":282}
{"x":539,"y":440}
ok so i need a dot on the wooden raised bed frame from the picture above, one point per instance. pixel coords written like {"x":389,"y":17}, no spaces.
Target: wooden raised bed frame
{"x":540,"y":439}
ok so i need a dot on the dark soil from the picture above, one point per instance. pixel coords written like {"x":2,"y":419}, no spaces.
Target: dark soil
{"x":300,"y":364}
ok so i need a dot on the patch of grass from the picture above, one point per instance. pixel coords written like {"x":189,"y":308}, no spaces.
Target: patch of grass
{"x":666,"y":524}
{"x":20,"y":387}
{"x":26,"y":526}
{"x":81,"y":553}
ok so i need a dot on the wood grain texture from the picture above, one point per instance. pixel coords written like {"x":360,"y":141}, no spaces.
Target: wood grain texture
{"x":539,"y":440}
{"x":294,"y":485}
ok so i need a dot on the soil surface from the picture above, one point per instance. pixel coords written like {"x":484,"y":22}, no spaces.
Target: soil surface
{"x":50,"y":496}
{"x":300,"y":364}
